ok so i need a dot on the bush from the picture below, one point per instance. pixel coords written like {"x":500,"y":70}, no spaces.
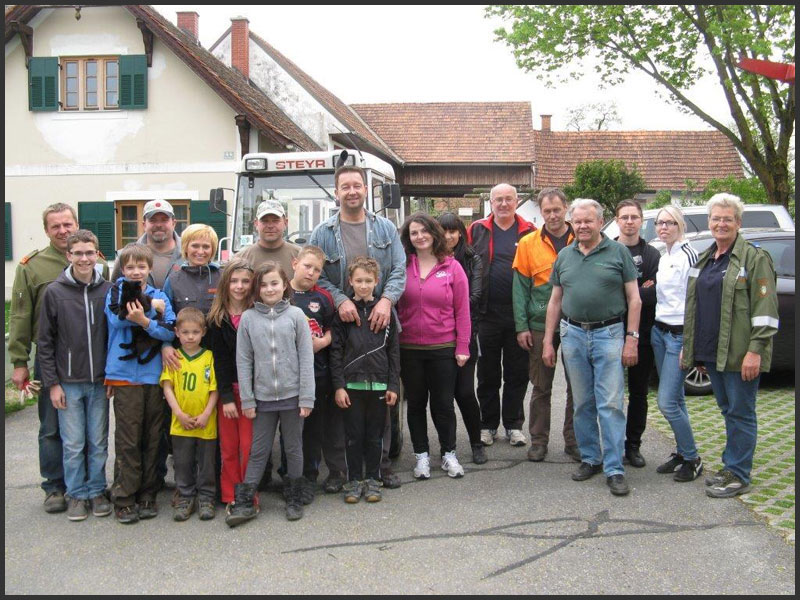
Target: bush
{"x":607,"y":181}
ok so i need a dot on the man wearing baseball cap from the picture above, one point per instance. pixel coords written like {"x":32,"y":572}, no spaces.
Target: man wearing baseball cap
{"x":158,"y":219}
{"x":270,"y":223}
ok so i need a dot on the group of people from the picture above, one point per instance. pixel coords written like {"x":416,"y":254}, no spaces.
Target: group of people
{"x":208,"y":363}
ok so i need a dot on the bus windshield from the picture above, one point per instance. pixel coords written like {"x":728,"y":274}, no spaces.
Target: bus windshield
{"x":305,"y":203}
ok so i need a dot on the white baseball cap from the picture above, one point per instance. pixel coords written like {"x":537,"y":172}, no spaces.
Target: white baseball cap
{"x":270,"y":207}
{"x":157,"y":206}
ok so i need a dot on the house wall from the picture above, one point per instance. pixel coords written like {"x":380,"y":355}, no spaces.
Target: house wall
{"x":179,"y":143}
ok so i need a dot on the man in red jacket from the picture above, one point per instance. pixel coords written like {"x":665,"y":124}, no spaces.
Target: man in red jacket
{"x":501,"y":359}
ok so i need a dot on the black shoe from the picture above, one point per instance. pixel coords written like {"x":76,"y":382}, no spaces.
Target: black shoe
{"x":148,"y":509}
{"x":243,"y":508}
{"x":690,"y":470}
{"x":673,"y":464}
{"x":390,"y":479}
{"x":294,"y":503}
{"x":479,"y":454}
{"x":307,"y":490}
{"x":618,"y":485}
{"x":573,"y":453}
{"x":537,"y":453}
{"x":635,"y":458}
{"x":585,"y":471}
{"x":126,"y":515}
{"x":55,"y":502}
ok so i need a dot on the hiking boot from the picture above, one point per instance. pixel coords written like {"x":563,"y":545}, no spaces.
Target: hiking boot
{"x":716,"y":478}
{"x":690,"y":470}
{"x":77,"y":510}
{"x":372,"y":491}
{"x":126,"y":515}
{"x":585,"y":471}
{"x":618,"y":485}
{"x":390,"y":479}
{"x":573,"y":453}
{"x":451,"y":465}
{"x":352,"y":492}
{"x":307,"y":491}
{"x":635,"y":458}
{"x":333,"y":484}
{"x":479,"y":454}
{"x":728,"y":487}
{"x":55,"y":502}
{"x":673,"y":464}
{"x":242,"y":509}
{"x":294,"y":504}
{"x":422,"y":470}
{"x":206,"y":510}
{"x":101,"y":507}
{"x":148,"y":509}
{"x":184,"y":508}
{"x":537,"y":453}
{"x":516,"y":437}
{"x":488,"y":436}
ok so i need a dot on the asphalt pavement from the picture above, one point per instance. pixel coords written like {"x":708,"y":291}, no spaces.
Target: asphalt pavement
{"x":507,"y":527}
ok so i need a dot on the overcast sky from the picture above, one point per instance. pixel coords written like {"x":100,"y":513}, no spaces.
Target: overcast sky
{"x":434,"y":54}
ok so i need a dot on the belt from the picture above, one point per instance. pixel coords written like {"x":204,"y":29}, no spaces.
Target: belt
{"x":673,"y":329}
{"x":594,"y":324}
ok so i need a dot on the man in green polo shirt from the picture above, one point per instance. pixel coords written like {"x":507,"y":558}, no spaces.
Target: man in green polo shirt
{"x":594,"y":284}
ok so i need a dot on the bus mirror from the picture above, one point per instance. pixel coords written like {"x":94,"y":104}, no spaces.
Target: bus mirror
{"x":217,"y":200}
{"x":391,"y":195}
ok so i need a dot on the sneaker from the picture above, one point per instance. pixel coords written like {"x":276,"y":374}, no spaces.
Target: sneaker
{"x":390,"y":479}
{"x":126,"y":515}
{"x":573,"y":453}
{"x":690,"y":470}
{"x":352,"y":492}
{"x":673,"y":464}
{"x":307,"y":491}
{"x":451,"y":465}
{"x":479,"y":454}
{"x":716,"y":478}
{"x":618,"y":485}
{"x":516,"y":437}
{"x":206,"y":510}
{"x":372,"y":490}
{"x":422,"y":470}
{"x":101,"y":507}
{"x":728,"y":487}
{"x":537,"y":453}
{"x":148,"y":509}
{"x":488,"y":436}
{"x":184,"y":508}
{"x":635,"y":458}
{"x":585,"y":471}
{"x":77,"y":509}
{"x":333,"y":484}
{"x":55,"y":502}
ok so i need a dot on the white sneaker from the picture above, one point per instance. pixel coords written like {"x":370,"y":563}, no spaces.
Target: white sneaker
{"x":451,"y":465}
{"x":516,"y":437}
{"x":423,"y":468}
{"x":487,"y":437}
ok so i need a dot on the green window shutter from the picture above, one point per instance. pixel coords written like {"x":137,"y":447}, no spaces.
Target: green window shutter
{"x":133,"y":82}
{"x":43,"y":84}
{"x":9,"y":254}
{"x":200,"y":212}
{"x":98,"y":217}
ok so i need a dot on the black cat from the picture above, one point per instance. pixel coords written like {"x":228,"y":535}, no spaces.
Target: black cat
{"x":142,"y":347}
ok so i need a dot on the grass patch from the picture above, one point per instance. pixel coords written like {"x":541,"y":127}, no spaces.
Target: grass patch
{"x":12,"y":404}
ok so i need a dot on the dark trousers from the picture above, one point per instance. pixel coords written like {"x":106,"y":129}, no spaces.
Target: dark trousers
{"x":638,"y":385}
{"x":265,"y":426}
{"x":194,"y":467}
{"x":501,"y":359}
{"x":465,"y":396}
{"x":541,"y":377}
{"x":164,"y":445}
{"x":430,"y":374}
{"x":139,"y":415}
{"x":364,"y":421}
{"x":51,"y":453}
{"x":323,"y":434}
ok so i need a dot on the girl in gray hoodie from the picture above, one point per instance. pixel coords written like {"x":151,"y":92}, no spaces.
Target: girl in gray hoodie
{"x":275,"y":363}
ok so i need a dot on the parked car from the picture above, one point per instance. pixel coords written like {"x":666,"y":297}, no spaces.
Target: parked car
{"x":780,"y":244}
{"x":696,"y":217}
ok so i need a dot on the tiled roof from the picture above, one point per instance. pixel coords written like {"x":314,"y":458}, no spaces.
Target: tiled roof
{"x":665,"y":159}
{"x":454,"y":132}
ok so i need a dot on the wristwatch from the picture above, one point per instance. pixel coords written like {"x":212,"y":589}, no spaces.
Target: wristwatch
{"x":633,"y":334}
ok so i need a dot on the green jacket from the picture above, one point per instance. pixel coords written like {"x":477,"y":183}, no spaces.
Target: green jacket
{"x":34,"y":273}
{"x":749,"y":316}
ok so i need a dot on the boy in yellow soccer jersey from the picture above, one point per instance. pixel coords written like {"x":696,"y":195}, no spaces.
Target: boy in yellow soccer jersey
{"x":191,"y":392}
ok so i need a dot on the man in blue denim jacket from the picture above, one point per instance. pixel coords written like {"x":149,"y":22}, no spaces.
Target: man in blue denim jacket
{"x":353,"y":232}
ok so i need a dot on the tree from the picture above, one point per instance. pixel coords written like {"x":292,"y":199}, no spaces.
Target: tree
{"x":675,"y":46}
{"x":607,"y":181}
{"x":595,"y":116}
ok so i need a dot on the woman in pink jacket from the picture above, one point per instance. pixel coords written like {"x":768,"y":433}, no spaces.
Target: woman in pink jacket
{"x":434,"y":341}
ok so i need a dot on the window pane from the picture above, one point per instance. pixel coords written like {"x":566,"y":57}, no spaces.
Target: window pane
{"x":72,"y":69}
{"x":91,"y":99}
{"x":111,"y":68}
{"x":72,"y":84}
{"x":72,"y":100}
{"x":129,"y":213}
{"x":91,"y":84}
{"x":111,"y":84}
{"x":129,"y":229}
{"x":181,"y":212}
{"x":91,"y":68}
{"x":111,"y":99}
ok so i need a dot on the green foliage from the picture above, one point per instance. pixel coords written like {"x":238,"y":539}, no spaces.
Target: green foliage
{"x":663,"y":198}
{"x":675,"y":45}
{"x":750,"y":190}
{"x":607,"y":181}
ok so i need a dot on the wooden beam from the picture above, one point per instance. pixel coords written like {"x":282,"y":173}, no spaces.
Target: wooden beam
{"x":26,"y":37}
{"x":244,"y":133}
{"x":147,"y":37}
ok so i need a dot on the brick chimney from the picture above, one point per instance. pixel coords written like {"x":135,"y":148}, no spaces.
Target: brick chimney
{"x":546,"y":122}
{"x":189,"y":22}
{"x":240,"y":45}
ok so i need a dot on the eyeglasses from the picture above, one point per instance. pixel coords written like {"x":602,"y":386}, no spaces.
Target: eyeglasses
{"x":726,"y":220}
{"x":629,"y":217}
{"x":666,"y":223}
{"x":87,"y":254}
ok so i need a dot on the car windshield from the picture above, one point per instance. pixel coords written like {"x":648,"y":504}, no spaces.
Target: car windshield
{"x":780,"y":249}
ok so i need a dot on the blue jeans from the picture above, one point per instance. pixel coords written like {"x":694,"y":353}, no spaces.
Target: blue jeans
{"x":51,"y":458}
{"x":671,"y":398}
{"x":737,"y":401}
{"x":84,"y":433}
{"x":593,"y":360}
